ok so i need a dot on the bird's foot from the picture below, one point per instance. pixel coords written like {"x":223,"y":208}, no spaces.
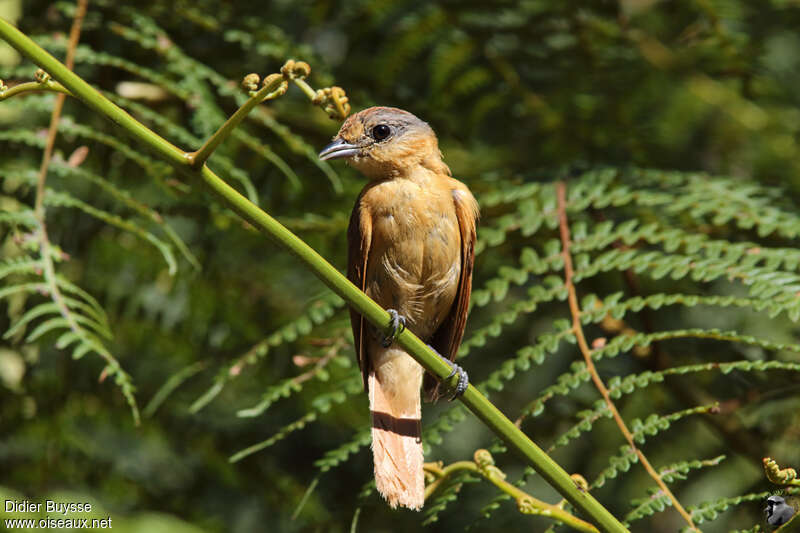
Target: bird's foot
{"x":463,"y":378}
{"x":398,"y":324}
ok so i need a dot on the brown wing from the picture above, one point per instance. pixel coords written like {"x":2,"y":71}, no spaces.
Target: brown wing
{"x":359,"y":237}
{"x":447,"y":338}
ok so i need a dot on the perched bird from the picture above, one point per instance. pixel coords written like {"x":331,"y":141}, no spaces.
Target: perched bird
{"x":778,"y":511}
{"x":411,"y":249}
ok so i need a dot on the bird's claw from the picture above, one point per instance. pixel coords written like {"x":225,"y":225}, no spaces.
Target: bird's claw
{"x":398,"y":324}
{"x":463,"y":380}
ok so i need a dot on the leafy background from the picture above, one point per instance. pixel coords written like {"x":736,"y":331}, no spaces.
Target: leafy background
{"x":229,"y":343}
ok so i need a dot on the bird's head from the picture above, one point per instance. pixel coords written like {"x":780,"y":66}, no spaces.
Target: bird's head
{"x":778,"y":511}
{"x":382,"y":142}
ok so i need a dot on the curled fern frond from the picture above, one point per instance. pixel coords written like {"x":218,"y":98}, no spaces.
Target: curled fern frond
{"x":778,"y":475}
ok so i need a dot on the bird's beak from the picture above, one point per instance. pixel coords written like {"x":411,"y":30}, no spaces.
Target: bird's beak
{"x":337,"y":149}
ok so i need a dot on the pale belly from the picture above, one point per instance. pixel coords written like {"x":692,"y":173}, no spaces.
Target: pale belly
{"x":414,"y":262}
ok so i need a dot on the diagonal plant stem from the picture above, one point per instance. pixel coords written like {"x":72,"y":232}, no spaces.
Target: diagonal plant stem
{"x":74,"y":35}
{"x":575,"y":311}
{"x":274,"y":86}
{"x":495,"y":420}
{"x":332,"y":99}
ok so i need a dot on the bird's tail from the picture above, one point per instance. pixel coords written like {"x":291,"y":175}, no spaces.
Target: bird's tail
{"x":394,"y":400}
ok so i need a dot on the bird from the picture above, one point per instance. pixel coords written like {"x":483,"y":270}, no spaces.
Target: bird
{"x":411,"y":248}
{"x":778,"y":511}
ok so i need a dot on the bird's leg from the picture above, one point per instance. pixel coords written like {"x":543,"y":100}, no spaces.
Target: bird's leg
{"x":463,"y":378}
{"x":398,"y":324}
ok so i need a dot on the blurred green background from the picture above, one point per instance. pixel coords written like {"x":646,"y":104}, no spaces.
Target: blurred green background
{"x":517,"y":92}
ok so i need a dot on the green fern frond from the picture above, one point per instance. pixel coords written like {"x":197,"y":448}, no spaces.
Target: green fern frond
{"x":602,"y":188}
{"x":446,"y":494}
{"x":299,"y":146}
{"x":433,"y":434}
{"x":749,"y":205}
{"x":285,"y":431}
{"x":16,"y":288}
{"x":618,"y":310}
{"x":641,"y":429}
{"x":320,"y":405}
{"x":617,"y":387}
{"x":70,"y":322}
{"x":62,"y":199}
{"x":158,"y":170}
{"x":155,"y":169}
{"x":530,"y":263}
{"x":333,"y":458}
{"x":536,"y":296}
{"x":125,"y":198}
{"x":546,"y":343}
{"x":289,"y":386}
{"x":656,"y":501}
{"x":508,"y":194}
{"x":20,"y":265}
{"x":24,"y":218}
{"x":316,"y":313}
{"x":208,"y":114}
{"x":171,"y":384}
{"x":710,"y":510}
{"x":578,"y":374}
{"x":86,"y":55}
{"x":53,"y":308}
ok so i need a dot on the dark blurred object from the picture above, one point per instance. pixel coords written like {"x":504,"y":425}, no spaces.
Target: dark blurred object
{"x":778,"y":511}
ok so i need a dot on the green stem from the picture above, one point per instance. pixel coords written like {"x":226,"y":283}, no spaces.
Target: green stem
{"x":306,"y":88}
{"x":90,"y":96}
{"x":33,"y":86}
{"x":526,"y":503}
{"x":472,"y":398}
{"x":268,"y":91}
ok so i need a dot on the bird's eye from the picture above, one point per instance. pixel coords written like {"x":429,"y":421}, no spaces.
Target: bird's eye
{"x":380,"y":132}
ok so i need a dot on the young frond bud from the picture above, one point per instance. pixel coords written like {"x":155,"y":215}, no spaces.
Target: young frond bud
{"x":580,"y":482}
{"x":333,"y":101}
{"x":250,"y":82}
{"x":295,"y":70}
{"x":41,"y":76}
{"x":483,"y":458}
{"x":778,"y":475}
{"x":277,"y":85}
